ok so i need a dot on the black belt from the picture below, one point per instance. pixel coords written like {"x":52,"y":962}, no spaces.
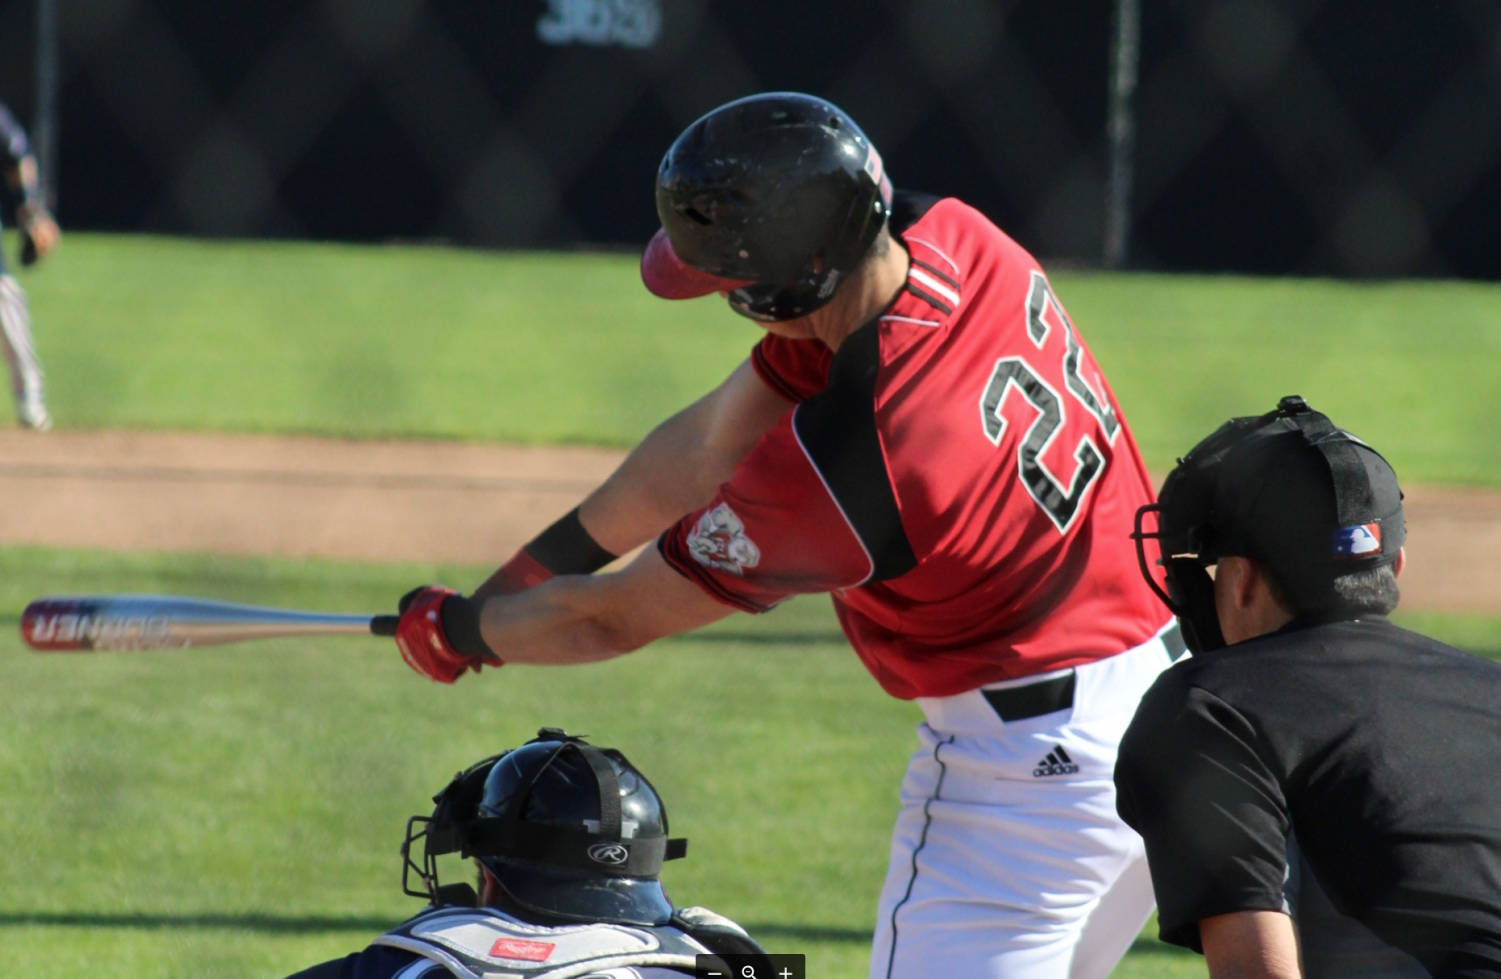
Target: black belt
{"x":1047,"y":696}
{"x":1032,"y":699}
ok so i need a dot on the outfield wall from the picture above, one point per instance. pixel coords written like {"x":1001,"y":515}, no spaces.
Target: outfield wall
{"x":1347,"y":137}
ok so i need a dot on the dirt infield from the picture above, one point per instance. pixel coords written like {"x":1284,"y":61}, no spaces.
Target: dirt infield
{"x":473,"y":504}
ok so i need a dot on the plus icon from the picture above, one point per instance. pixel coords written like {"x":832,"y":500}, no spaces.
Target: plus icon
{"x":785,"y":973}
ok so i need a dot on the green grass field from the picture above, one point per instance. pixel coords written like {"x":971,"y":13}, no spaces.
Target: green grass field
{"x":236,"y":812}
{"x":440,"y":343}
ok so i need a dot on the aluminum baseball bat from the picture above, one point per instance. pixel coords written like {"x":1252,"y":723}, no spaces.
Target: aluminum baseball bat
{"x":84,"y":623}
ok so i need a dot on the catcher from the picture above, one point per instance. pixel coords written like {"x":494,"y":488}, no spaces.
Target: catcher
{"x":39,"y":235}
{"x":568,"y":840}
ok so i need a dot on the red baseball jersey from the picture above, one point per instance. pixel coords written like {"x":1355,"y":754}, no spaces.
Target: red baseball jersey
{"x":958,"y":476}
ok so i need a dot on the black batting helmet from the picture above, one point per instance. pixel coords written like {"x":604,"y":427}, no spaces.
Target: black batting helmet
{"x":773,"y":199}
{"x":569,"y":831}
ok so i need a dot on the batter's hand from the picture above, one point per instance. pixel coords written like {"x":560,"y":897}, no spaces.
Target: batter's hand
{"x":39,"y":232}
{"x":439,"y":636}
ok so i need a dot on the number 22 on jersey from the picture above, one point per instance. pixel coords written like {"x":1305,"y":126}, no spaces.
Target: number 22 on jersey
{"x":1078,"y":417}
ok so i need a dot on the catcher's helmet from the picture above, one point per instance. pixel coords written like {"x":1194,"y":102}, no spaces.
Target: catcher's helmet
{"x":774,"y":199}
{"x":568,"y":830}
{"x":1308,"y":500}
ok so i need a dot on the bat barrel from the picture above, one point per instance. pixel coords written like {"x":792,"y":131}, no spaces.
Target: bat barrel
{"x":122,"y":622}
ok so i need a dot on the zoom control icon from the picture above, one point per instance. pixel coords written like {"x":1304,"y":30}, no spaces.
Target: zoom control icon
{"x":751,"y":967}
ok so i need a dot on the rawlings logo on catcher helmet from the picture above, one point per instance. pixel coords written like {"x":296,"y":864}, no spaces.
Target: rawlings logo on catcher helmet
{"x":611,"y":854}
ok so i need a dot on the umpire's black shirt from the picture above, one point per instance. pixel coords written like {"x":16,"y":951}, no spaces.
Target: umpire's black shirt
{"x":1379,"y":747}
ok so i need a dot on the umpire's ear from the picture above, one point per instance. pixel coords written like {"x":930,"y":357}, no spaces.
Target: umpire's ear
{"x":1245,"y":600}
{"x":1400,"y":563}
{"x":1236,"y":580}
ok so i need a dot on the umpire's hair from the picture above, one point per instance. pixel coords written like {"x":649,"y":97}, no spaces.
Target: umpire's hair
{"x":1371,"y":592}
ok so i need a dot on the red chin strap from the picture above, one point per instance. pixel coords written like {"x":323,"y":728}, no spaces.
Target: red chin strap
{"x":670,"y":277}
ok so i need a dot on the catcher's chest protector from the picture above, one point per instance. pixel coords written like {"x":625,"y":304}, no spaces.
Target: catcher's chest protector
{"x":485,"y":944}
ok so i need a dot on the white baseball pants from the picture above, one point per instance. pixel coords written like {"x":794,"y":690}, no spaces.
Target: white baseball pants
{"x":1008,"y":859}
{"x":20,"y":352}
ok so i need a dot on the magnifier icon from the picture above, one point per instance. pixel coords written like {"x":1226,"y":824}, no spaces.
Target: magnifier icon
{"x":748,"y":972}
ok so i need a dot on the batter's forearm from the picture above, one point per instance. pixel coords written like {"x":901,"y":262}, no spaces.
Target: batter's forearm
{"x":673,"y":471}
{"x":584,"y":619}
{"x":669,"y":474}
{"x":683,"y":462}
{"x":631,"y":507}
{"x":550,"y":624}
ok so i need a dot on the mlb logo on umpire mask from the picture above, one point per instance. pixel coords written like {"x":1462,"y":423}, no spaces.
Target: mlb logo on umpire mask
{"x":1353,"y":543}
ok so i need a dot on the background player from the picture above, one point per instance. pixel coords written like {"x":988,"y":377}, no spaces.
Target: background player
{"x":532,"y":818}
{"x":922,"y":433}
{"x":39,"y":234}
{"x":1306,"y":713}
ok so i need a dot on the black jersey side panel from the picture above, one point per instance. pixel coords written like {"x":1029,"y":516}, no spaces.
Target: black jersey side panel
{"x":837,"y":428}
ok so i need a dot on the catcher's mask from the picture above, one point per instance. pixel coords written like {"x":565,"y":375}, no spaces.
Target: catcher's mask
{"x":773,"y":199}
{"x":1288,"y":489}
{"x":568,"y":830}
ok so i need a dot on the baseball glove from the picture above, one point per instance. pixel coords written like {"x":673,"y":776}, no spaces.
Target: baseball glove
{"x":39,"y":232}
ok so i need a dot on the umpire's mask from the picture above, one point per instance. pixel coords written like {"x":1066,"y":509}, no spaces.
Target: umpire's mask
{"x":570,"y":832}
{"x":1288,"y":489}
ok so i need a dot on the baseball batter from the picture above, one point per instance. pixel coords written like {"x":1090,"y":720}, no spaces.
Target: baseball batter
{"x":39,"y":234}
{"x":922,"y":434}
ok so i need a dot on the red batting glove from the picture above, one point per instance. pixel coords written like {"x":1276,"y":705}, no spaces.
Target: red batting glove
{"x":438,"y":634}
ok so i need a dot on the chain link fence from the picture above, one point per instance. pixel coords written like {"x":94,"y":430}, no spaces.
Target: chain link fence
{"x":1320,"y":136}
{"x":1343,"y":137}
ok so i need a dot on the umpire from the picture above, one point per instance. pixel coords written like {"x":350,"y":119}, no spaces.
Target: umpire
{"x":1314,"y":776}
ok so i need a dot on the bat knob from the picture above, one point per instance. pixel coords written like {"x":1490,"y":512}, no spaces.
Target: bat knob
{"x":384,"y":625}
{"x":58,"y":625}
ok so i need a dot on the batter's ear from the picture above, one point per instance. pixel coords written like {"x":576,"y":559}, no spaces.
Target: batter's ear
{"x":1400,"y":563}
